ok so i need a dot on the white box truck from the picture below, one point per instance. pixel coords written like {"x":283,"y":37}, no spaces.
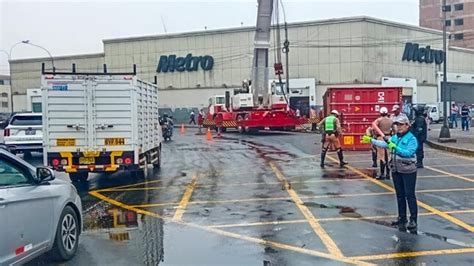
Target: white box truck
{"x":100,"y":122}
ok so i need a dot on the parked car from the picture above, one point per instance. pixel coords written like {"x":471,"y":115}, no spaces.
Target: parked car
{"x":24,"y":133}
{"x":38,"y":213}
{"x":4,"y":118}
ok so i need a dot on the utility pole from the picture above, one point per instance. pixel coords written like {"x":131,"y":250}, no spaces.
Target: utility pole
{"x":286,"y":51}
{"x":444,"y":133}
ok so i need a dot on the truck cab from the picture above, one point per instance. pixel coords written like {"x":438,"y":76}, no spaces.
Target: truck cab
{"x":216,"y":104}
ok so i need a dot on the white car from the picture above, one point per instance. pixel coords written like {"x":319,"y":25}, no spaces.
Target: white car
{"x":24,"y":133}
{"x":38,"y":213}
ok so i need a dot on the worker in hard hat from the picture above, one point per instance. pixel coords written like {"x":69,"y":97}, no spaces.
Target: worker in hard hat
{"x":331,"y":128}
{"x":383,"y":128}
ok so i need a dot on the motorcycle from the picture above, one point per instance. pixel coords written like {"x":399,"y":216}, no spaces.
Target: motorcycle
{"x":167,"y":129}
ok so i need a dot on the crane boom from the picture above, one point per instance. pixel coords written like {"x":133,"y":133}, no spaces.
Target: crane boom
{"x":260,"y":70}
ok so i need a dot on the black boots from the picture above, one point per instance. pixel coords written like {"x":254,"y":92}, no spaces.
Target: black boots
{"x":323,"y":157}
{"x":400,"y":223}
{"x":412,"y":226}
{"x":374,"y":159}
{"x":339,"y":154}
{"x":419,"y":163}
{"x":341,"y":158}
{"x":384,"y":171}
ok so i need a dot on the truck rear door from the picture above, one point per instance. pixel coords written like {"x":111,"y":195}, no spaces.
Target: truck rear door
{"x":67,"y":108}
{"x":113,"y":113}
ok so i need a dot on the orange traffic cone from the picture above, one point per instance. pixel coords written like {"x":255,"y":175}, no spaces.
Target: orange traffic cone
{"x":209,"y":134}
{"x":182,"y":129}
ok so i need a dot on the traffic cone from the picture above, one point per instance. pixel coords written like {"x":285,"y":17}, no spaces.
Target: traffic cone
{"x":182,"y":129}
{"x":209,"y":134}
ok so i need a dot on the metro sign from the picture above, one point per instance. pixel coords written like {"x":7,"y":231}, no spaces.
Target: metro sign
{"x":413,"y":52}
{"x":189,"y":63}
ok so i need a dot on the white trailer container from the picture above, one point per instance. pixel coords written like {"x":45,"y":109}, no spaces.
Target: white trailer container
{"x":100,"y":123}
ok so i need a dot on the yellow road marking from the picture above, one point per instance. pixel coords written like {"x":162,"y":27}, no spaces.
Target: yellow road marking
{"x":330,"y":219}
{"x":199,"y":202}
{"x":185,"y":200}
{"x":358,"y":260}
{"x":450,"y":174}
{"x":293,"y":182}
{"x":415,"y":254}
{"x":240,"y":184}
{"x":420,"y":203}
{"x":120,"y":204}
{"x":234,"y":235}
{"x":282,"y":246}
{"x":317,"y":228}
{"x":259,"y":223}
{"x":127,"y":186}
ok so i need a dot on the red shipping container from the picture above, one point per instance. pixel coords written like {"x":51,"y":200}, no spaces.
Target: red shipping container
{"x":358,"y":108}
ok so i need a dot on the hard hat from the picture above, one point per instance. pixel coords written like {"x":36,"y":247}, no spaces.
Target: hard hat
{"x":384,"y":110}
{"x":335,"y":112}
{"x":395,"y":107}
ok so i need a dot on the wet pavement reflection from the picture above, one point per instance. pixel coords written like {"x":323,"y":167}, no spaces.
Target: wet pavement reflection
{"x":234,"y":201}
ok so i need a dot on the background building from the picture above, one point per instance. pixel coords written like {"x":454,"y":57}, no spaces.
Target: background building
{"x":5,"y":94}
{"x":459,"y":19}
{"x":356,"y":51}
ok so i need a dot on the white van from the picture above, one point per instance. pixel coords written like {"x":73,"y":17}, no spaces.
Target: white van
{"x":434,"y":112}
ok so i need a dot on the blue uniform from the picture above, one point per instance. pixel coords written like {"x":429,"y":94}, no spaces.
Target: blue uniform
{"x":406,"y":145}
{"x":404,"y":179}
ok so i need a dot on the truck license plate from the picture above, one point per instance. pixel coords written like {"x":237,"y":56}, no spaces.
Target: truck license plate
{"x":66,"y":142}
{"x":114,"y":141}
{"x":30,"y":132}
{"x":86,"y":160}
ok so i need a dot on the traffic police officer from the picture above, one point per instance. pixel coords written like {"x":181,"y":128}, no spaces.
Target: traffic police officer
{"x":403,"y":146}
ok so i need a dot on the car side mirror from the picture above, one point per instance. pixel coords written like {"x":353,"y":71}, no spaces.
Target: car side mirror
{"x":44,"y":174}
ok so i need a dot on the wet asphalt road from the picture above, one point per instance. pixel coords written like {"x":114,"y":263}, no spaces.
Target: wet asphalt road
{"x":263,"y":200}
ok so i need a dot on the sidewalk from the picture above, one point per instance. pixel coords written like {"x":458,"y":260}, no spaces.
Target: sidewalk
{"x":464,"y":140}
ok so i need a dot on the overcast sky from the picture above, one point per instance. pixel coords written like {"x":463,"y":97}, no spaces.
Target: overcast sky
{"x":71,"y":27}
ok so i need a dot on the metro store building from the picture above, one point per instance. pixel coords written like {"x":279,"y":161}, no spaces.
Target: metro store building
{"x":356,"y":51}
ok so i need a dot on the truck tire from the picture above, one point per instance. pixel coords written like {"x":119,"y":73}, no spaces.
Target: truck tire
{"x":66,"y":239}
{"x":141,"y":173}
{"x":157,"y":164}
{"x":79,"y":177}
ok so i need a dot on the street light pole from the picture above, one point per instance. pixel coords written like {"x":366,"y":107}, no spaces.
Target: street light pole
{"x":44,"y":49}
{"x":10,"y":69}
{"x":444,"y":133}
{"x":10,"y":58}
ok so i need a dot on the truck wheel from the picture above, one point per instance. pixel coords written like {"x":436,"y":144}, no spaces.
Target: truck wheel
{"x":138,"y":174}
{"x":66,"y":239}
{"x":79,"y":177}
{"x":141,"y":173}
{"x":157,"y":164}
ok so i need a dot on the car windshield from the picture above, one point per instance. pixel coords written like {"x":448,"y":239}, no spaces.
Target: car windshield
{"x":10,"y":175}
{"x":25,"y":120}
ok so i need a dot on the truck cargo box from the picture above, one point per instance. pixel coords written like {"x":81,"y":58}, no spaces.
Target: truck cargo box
{"x":100,"y":123}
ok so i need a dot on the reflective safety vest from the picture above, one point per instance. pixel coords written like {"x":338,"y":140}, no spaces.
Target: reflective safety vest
{"x":329,"y":123}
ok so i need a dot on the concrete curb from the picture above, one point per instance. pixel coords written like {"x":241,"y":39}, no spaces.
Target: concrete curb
{"x":450,"y":149}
